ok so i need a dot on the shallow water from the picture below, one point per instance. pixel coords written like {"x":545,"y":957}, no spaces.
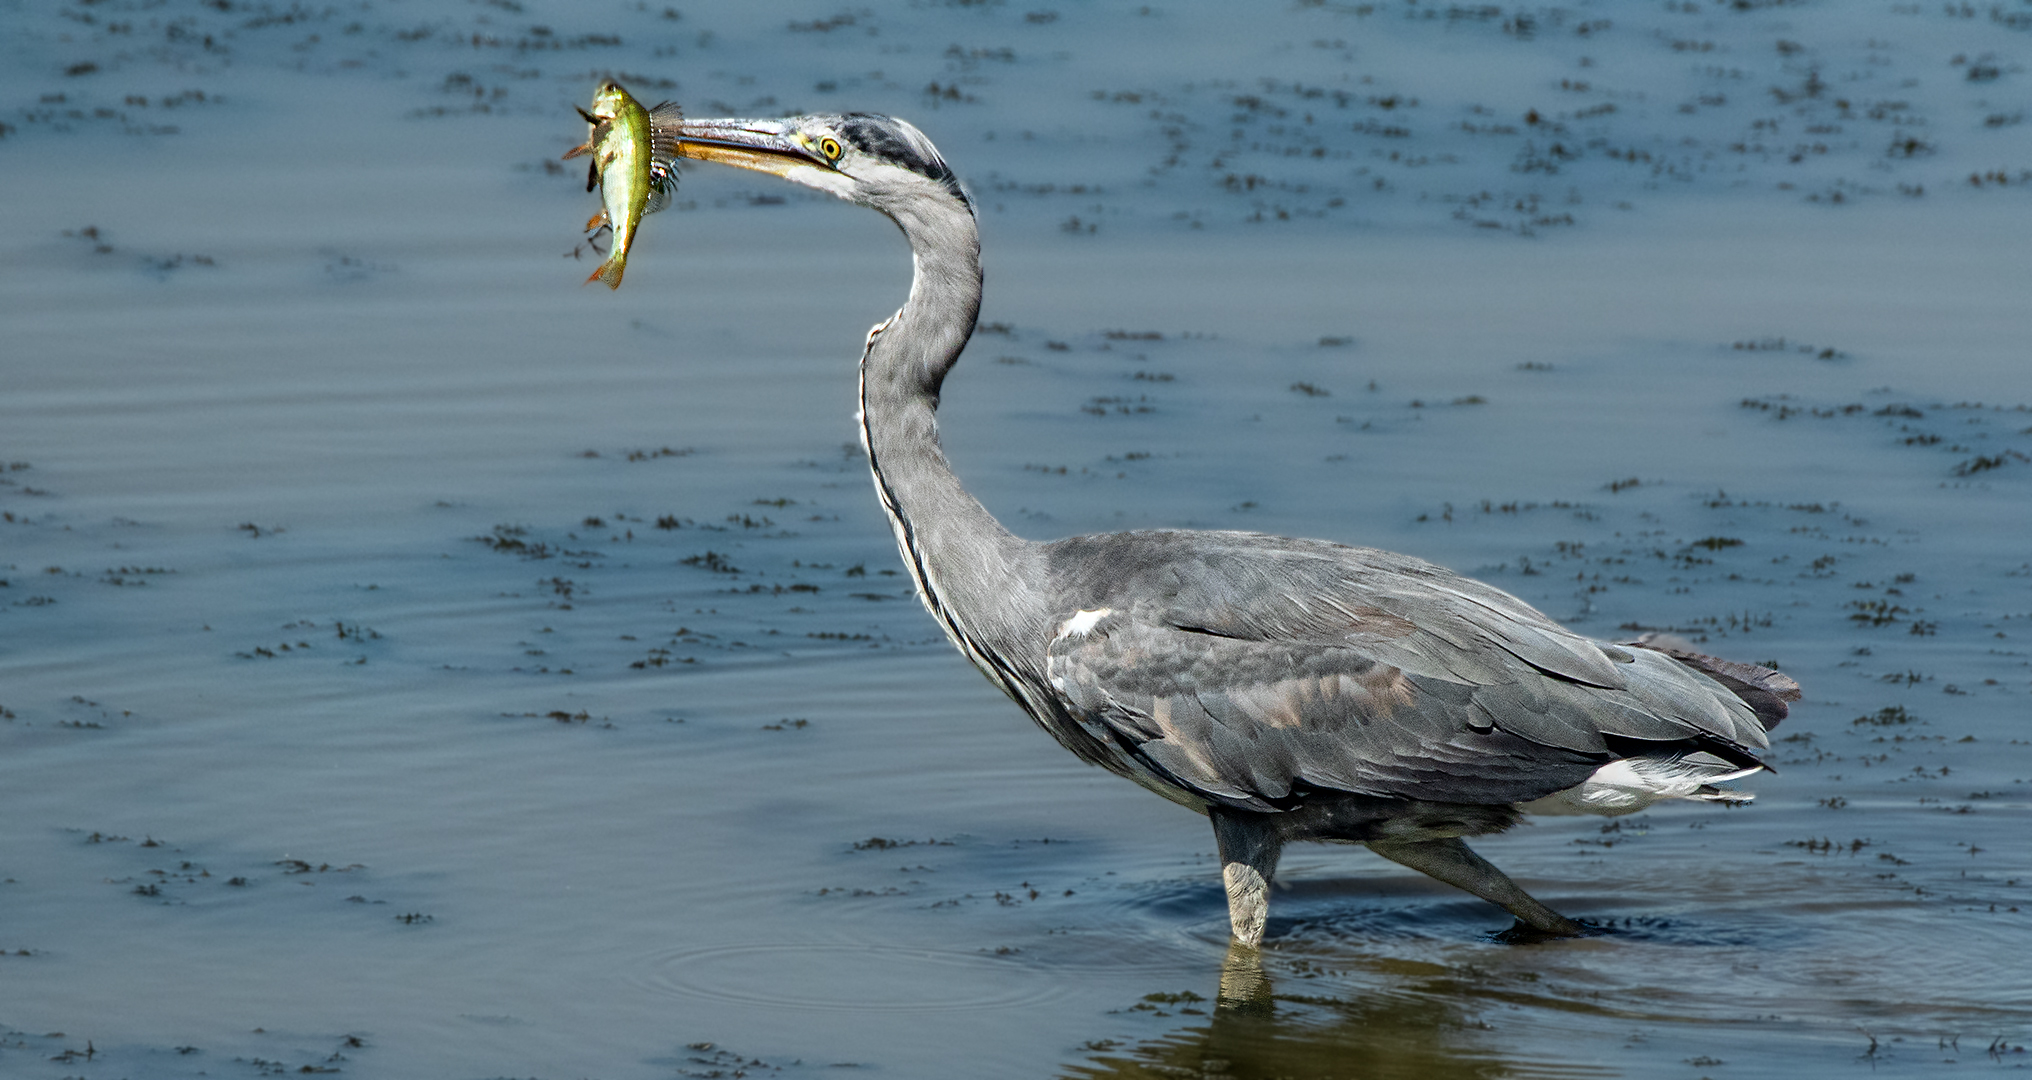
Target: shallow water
{"x":358,"y":714}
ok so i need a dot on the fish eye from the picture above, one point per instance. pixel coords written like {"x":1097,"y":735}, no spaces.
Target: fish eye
{"x":830,"y":147}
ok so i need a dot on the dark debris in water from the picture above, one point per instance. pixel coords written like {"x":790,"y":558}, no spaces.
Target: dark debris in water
{"x":883,"y":843}
{"x":710,"y":1061}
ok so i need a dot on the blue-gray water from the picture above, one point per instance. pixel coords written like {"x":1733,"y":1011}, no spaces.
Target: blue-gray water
{"x":358,"y":712}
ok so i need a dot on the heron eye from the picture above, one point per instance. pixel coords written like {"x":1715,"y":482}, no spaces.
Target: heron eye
{"x":830,"y":148}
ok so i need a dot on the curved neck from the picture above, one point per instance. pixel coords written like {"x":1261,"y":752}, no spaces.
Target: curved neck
{"x":978,"y":579}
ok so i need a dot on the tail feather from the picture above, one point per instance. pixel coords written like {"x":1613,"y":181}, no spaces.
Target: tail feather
{"x":1764,"y":690}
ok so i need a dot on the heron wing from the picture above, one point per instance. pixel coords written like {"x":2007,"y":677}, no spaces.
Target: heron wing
{"x":1250,"y":669}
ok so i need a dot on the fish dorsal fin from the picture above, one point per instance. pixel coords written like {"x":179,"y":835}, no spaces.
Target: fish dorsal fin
{"x":663,"y":123}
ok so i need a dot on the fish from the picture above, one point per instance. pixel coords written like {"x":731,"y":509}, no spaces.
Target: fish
{"x":633,"y":153}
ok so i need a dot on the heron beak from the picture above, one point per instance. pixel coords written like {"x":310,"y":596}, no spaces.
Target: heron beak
{"x":770,"y":146}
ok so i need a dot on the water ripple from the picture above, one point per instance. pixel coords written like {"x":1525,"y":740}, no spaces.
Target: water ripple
{"x":869,"y":976}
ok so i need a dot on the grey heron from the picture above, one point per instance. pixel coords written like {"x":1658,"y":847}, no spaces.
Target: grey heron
{"x":1287,"y":689}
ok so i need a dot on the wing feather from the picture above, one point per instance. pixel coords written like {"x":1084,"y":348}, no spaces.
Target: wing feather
{"x":1253,"y":670}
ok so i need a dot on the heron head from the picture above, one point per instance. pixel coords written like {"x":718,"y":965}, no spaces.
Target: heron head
{"x":877,"y":161}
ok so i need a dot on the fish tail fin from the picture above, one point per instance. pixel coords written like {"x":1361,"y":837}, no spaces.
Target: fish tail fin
{"x":610,"y":271}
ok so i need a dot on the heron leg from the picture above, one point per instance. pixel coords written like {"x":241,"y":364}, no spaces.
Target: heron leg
{"x":1451,"y":861}
{"x":1249,"y":846}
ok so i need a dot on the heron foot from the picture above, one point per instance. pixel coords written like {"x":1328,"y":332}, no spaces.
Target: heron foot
{"x":1521,"y":933}
{"x":1453,"y":862}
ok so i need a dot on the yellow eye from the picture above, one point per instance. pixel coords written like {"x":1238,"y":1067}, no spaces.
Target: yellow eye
{"x":830,"y":148}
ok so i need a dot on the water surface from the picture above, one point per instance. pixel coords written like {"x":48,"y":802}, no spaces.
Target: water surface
{"x":413,"y":663}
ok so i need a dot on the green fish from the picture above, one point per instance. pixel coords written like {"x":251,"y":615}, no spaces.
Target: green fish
{"x":633,"y":151}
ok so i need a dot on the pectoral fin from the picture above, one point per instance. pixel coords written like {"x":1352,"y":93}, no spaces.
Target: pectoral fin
{"x":596,"y":221}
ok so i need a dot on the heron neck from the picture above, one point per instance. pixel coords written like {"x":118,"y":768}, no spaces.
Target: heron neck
{"x":976,"y":577}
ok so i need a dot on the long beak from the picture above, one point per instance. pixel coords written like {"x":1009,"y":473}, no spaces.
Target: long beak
{"x":763,"y":145}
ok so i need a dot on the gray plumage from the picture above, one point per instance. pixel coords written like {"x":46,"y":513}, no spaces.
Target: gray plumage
{"x":1289,"y":689}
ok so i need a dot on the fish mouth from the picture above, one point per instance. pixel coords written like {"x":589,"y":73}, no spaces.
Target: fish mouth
{"x":770,"y":146}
